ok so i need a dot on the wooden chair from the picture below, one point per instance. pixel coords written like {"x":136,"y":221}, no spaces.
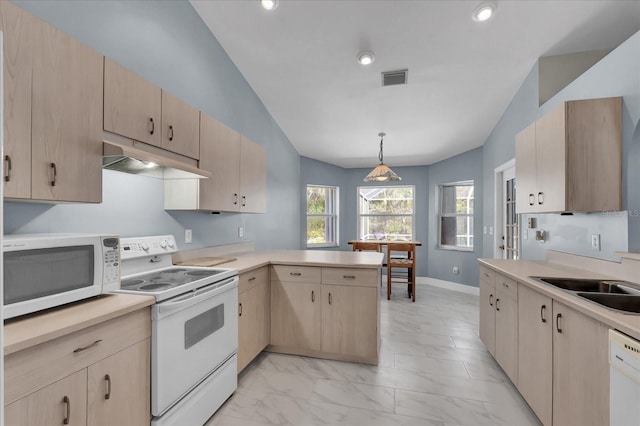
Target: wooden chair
{"x":365,"y":246}
{"x":407,"y":261}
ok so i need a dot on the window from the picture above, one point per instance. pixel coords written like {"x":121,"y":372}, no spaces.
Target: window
{"x":456,"y":216}
{"x":386,"y":212}
{"x":322,"y":216}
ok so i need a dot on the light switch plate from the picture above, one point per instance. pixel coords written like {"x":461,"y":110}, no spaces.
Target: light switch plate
{"x":240,"y":232}
{"x":595,"y":242}
{"x":188,"y":236}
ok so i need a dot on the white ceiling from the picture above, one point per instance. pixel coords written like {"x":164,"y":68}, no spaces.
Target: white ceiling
{"x":301,"y":61}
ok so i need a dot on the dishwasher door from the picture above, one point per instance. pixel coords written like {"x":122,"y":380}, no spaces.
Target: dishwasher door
{"x":624,"y":361}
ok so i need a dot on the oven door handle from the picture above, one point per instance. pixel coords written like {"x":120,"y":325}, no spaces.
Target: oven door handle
{"x":171,"y":306}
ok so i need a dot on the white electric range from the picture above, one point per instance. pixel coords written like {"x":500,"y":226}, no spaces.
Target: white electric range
{"x":194,"y":338}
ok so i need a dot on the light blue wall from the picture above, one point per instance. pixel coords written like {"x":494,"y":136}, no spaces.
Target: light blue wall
{"x":618,"y":74}
{"x":168,"y":44}
{"x":463,"y":167}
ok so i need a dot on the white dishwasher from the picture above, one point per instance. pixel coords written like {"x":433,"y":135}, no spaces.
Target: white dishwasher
{"x":624,"y":362}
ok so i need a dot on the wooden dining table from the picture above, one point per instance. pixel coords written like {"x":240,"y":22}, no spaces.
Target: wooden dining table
{"x":386,"y":242}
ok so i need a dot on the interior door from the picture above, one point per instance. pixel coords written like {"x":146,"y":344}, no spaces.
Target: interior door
{"x":510,"y":246}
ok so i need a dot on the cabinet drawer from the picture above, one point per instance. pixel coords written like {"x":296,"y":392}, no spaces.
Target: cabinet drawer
{"x":31,"y":369}
{"x":506,"y":287}
{"x":249,"y":280}
{"x":345,"y":276}
{"x":487,"y":275}
{"x":298,"y":274}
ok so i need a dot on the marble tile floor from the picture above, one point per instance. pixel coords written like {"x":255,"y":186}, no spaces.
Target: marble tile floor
{"x":433,"y":370}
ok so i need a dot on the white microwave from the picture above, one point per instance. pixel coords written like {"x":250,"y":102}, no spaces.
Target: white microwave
{"x":46,"y":270}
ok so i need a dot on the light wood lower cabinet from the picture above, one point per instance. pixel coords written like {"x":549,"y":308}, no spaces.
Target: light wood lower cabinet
{"x":488,"y":309}
{"x":254,"y":315}
{"x":507,"y":326}
{"x":296,"y":316}
{"x":580,"y":369}
{"x":95,"y":376}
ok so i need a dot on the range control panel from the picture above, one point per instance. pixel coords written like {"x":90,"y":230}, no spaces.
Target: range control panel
{"x":131,"y":248}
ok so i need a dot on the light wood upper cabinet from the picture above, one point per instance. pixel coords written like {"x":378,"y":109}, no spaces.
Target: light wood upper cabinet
{"x":132,"y":105}
{"x":535,"y":351}
{"x":180,"y":126}
{"x":488,"y":309}
{"x":574,"y":162}
{"x":118,"y":388}
{"x":19,"y":29}
{"x":63,"y":400}
{"x":296,"y":316}
{"x":580,"y":369}
{"x":66,"y":141}
{"x":253,"y":177}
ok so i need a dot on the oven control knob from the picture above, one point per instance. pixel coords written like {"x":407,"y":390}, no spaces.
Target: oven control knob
{"x":145,"y":246}
{"x":163,"y":243}
{"x":170,"y":243}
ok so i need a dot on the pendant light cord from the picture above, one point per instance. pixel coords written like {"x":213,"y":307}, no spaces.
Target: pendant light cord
{"x":380,"y":156}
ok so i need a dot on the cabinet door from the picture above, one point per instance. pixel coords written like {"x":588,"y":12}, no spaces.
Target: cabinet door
{"x":507,"y":334}
{"x":247,"y":333}
{"x":253,"y":177}
{"x":296,"y":316}
{"x":535,"y":350}
{"x":63,"y":400}
{"x":349,"y":320}
{"x":551,"y":161}
{"x":220,"y":155}
{"x":488,"y":315}
{"x":180,"y":126}
{"x":66,"y":119}
{"x":119,"y":388}
{"x":132,"y":105}
{"x":19,"y":28}
{"x":263,"y":315}
{"x":526,"y":170}
{"x":580,"y":369}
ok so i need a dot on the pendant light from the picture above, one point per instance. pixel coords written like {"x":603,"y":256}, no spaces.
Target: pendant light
{"x":382,"y":173}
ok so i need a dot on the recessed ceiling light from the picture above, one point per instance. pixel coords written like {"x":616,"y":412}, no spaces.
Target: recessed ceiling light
{"x":484,"y":12}
{"x":269,"y":4}
{"x":366,"y":58}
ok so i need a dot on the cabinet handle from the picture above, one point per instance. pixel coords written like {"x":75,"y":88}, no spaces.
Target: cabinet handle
{"x":543,"y":308}
{"x":67,"y":410}
{"x":532,"y":199}
{"x":295,"y":274}
{"x":329,"y":298}
{"x":235,"y":199}
{"x":540,"y":194}
{"x":252,"y":279}
{"x":55,"y":174}
{"x":170,"y":133}
{"x":239,"y":309}
{"x":349,"y":277}
{"x":505,"y":285}
{"x":7,"y":175}
{"x":558,"y":323}
{"x":153,"y":126}
{"x":107,"y":380}
{"x":244,"y":201}
{"x":486,"y":275}
{"x":313,"y":296}
{"x":497,"y":304}
{"x":75,"y":351}
{"x":491,"y":300}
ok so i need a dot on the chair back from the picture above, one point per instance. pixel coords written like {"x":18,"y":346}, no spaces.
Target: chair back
{"x":365,"y":246}
{"x":409,"y":251}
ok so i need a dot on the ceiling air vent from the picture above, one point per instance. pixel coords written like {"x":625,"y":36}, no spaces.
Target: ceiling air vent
{"x":393,"y":78}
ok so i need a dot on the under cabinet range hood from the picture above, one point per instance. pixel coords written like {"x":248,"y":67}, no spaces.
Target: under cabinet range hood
{"x":124,"y":156}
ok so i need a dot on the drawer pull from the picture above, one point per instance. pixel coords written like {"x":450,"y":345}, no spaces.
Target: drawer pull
{"x":532,"y":199}
{"x":235,"y":199}
{"x":505,"y":285}
{"x":313,"y":296}
{"x":67,"y":410}
{"x":252,"y":279}
{"x":153,"y":126}
{"x":170,"y":133}
{"x":239,"y":309}
{"x":7,"y":175}
{"x":558,"y":323}
{"x":329,"y":298}
{"x":107,"y":381}
{"x":295,"y":274}
{"x":54,"y":171}
{"x":540,"y":198}
{"x":543,"y":308}
{"x":497,"y":304}
{"x":486,"y":275}
{"x":244,"y":201}
{"x":75,"y":351}
{"x":349,"y":277}
{"x":491,"y":300}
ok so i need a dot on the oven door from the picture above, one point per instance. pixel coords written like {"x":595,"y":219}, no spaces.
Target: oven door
{"x":192,"y":335}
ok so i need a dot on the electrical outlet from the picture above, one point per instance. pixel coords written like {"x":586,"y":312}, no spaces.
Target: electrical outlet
{"x":491,"y":230}
{"x":456,"y":270}
{"x":188,"y":236}
{"x":595,"y":242}
{"x":240,"y":232}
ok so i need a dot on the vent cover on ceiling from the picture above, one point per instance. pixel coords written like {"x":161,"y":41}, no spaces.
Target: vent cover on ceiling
{"x":393,"y":78}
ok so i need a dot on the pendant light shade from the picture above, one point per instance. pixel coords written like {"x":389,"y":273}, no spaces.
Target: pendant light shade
{"x":382,"y":172}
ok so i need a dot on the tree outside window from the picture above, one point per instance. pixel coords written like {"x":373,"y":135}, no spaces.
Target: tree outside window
{"x":456,"y":216}
{"x":322,"y":216}
{"x":386,"y":212}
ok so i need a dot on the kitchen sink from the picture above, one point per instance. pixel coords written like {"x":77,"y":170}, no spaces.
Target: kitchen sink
{"x":587,"y":285}
{"x":627,"y":303}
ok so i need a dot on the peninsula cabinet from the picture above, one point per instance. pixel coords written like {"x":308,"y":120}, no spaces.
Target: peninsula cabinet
{"x":488,"y":309}
{"x":96,"y":376}
{"x":254,"y":315}
{"x":571,"y":159}
{"x":139,"y":110}
{"x":53,"y":110}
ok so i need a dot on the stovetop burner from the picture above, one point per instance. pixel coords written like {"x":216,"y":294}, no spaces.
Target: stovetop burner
{"x":166,"y":278}
{"x":151,"y":287}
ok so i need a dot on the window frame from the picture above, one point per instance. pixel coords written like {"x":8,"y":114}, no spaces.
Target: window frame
{"x":359,"y":215}
{"x":335,"y":223}
{"x":441,"y":215}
